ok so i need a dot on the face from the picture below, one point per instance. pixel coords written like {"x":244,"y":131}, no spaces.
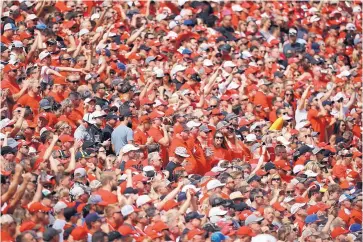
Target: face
{"x":218,"y":139}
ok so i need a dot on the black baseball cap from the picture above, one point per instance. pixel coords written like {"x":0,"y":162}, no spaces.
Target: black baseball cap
{"x":192,"y":215}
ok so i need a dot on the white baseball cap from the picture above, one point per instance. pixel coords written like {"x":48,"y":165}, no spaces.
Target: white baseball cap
{"x":95,"y":184}
{"x":44,"y":54}
{"x":237,"y":8}
{"x":216,"y":211}
{"x":6,"y":219}
{"x":127,"y":210}
{"x":214,"y":184}
{"x":80,"y":172}
{"x":193,"y":124}
{"x":207,"y":62}
{"x":83,"y":32}
{"x":176,"y":69}
{"x":76,"y":191}
{"x":142,"y":200}
{"x":310,"y":173}
{"x":129,"y":147}
{"x":9,"y":26}
{"x":95,"y":16}
{"x":296,"y":207}
{"x":31,"y":17}
{"x":251,"y":138}
{"x":59,"y":206}
{"x":159,"y":73}
{"x":283,"y":140}
{"x":187,"y":187}
{"x":298,"y":168}
{"x":229,"y":64}
{"x":98,"y":114}
{"x":88,"y":118}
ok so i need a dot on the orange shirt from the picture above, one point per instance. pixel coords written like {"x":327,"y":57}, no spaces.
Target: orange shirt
{"x":12,"y":85}
{"x":317,"y":123}
{"x":261,"y":98}
{"x":6,"y":237}
{"x":32,"y":102}
{"x":140,"y":137}
{"x":157,"y":135}
{"x":220,"y":154}
{"x":57,"y":96}
{"x":107,"y":196}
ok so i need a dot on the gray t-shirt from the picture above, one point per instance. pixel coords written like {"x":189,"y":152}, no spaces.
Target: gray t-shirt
{"x":59,"y":224}
{"x":121,"y":136}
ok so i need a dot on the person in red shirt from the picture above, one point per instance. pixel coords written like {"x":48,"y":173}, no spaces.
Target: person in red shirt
{"x":8,"y":228}
{"x":160,"y":135}
{"x":9,"y":31}
{"x":219,"y":149}
{"x":38,"y":218}
{"x":141,"y":137}
{"x":109,"y":184}
{"x":315,"y":115}
{"x":32,"y":98}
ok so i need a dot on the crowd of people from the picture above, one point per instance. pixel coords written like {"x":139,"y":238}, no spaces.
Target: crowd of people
{"x":181,"y":121}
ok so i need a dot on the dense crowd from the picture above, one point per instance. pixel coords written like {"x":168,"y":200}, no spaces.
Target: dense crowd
{"x":181,"y":121}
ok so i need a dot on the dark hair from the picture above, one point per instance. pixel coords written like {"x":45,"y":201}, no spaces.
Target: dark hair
{"x":99,"y":236}
{"x":224,"y":144}
{"x":253,"y":193}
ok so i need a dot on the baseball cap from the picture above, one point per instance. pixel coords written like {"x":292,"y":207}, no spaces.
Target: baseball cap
{"x":221,"y":125}
{"x":6,"y":219}
{"x":59,"y":206}
{"x":229,"y":64}
{"x":292,"y":32}
{"x":181,"y":151}
{"x":92,"y":217}
{"x":194,"y":232}
{"x":37,"y":207}
{"x":80,"y":172}
{"x":193,"y":215}
{"x":96,"y":199}
{"x":252,"y":219}
{"x":216,"y":211}
{"x":127,"y":210}
{"x":114,"y":235}
{"x":44,"y":54}
{"x":338,"y":231}
{"x":79,"y":233}
{"x":214,"y":184}
{"x":10,"y":26}
{"x":142,"y":200}
{"x":218,"y":237}
{"x":204,"y":128}
{"x":129,"y":147}
{"x":245,"y":230}
{"x":311,"y":218}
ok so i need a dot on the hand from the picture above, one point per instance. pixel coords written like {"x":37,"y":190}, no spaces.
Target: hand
{"x":18,"y":168}
{"x":27,"y":177}
{"x":149,"y":140}
{"x":77,"y":144}
{"x":91,"y":166}
{"x":106,"y":142}
{"x":128,"y":172}
{"x":55,"y":137}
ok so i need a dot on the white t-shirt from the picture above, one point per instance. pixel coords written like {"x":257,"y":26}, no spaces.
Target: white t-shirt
{"x":44,"y":73}
{"x":59,"y":224}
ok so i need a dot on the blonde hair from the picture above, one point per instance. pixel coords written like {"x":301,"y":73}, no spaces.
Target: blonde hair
{"x":313,"y":166}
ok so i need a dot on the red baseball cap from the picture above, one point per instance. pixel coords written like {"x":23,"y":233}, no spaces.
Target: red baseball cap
{"x":37,"y":207}
{"x":66,"y":138}
{"x":195,"y":232}
{"x":79,"y":233}
{"x":126,"y":230}
{"x":282,"y":164}
{"x":160,"y":226}
{"x":9,"y":68}
{"x":245,"y":230}
{"x":170,"y":205}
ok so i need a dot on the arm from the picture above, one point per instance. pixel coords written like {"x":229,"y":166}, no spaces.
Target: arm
{"x":38,"y":194}
{"x":72,"y":163}
{"x":328,"y":93}
{"x":260,"y":161}
{"x":13,"y":184}
{"x":32,"y":49}
{"x":303,"y":98}
{"x":48,"y":151}
{"x":165,"y":140}
{"x":351,"y":100}
{"x":170,"y":196}
{"x":135,"y":35}
{"x":78,"y":49}
{"x":18,"y":124}
{"x":16,"y":96}
{"x":20,"y":192}
{"x":322,"y":111}
{"x":200,"y":104}
{"x":186,"y":204}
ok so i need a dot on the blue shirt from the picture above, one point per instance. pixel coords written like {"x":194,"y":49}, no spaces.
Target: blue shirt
{"x":121,"y":136}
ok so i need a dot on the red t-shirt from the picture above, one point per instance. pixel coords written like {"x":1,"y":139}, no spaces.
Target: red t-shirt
{"x":107,"y":196}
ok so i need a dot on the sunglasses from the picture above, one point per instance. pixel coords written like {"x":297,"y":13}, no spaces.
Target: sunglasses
{"x":275,"y":179}
{"x":289,"y":192}
{"x":213,"y":106}
{"x":219,"y":137}
{"x":288,"y":94}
